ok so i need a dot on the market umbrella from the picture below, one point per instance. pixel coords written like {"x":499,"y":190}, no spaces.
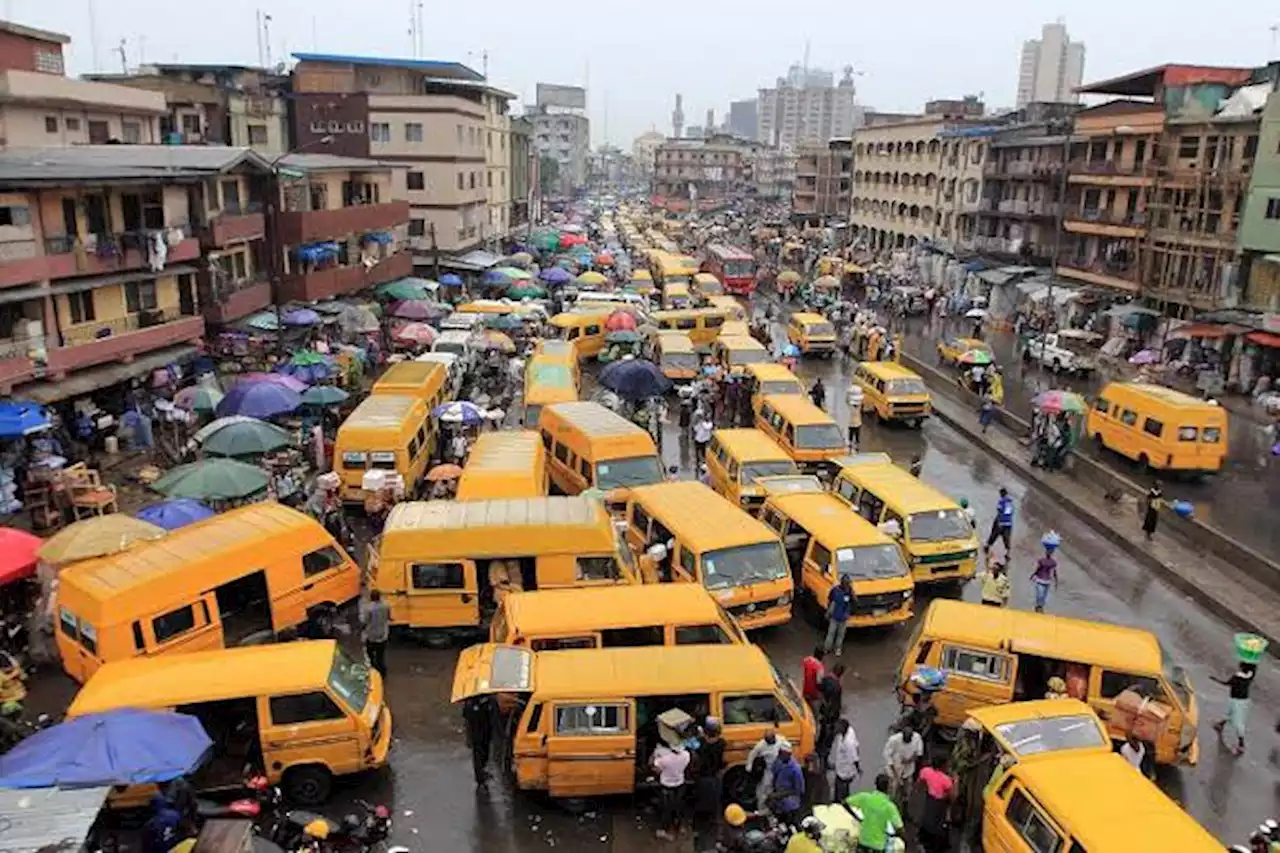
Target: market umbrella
{"x":19,"y":418}
{"x":591,"y":278}
{"x":1146,"y":356}
{"x":246,"y":438}
{"x":791,"y":351}
{"x":604,"y":259}
{"x":976,"y":314}
{"x":331,"y":307}
{"x":300,"y":317}
{"x":444,"y":472}
{"x":324,"y":395}
{"x":555,"y":276}
{"x":493,"y":339}
{"x":622,"y":336}
{"x":308,"y":370}
{"x":451,"y":279}
{"x":1054,"y":401}
{"x":419,"y":309}
{"x":789,"y":276}
{"x":459,"y":412}
{"x":420,"y":334}
{"x":514,"y":273}
{"x":503,"y":322}
{"x":974,"y":356}
{"x":520,"y":259}
{"x":198,"y":398}
{"x":221,"y":423}
{"x":402,"y":289}
{"x":275,"y":379}
{"x":126,"y":746}
{"x":18,"y":553}
{"x":176,"y":513}
{"x":826,"y":281}
{"x":635,"y":379}
{"x":567,"y":264}
{"x":96,"y":537}
{"x":212,"y":480}
{"x":259,"y":400}
{"x":526,"y":289}
{"x":265,"y":321}
{"x":358,"y":319}
{"x":619,"y":321}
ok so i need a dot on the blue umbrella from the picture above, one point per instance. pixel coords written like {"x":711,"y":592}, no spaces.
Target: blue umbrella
{"x":312,"y":373}
{"x":451,"y":279}
{"x":556,"y":275}
{"x":635,"y":379}
{"x":176,"y":513}
{"x":300,"y":317}
{"x":19,"y":418}
{"x":128,"y":746}
{"x":459,"y":413}
{"x":259,"y":400}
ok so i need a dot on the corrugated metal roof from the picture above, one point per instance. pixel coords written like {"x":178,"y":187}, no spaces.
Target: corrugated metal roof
{"x":504,"y":451}
{"x":104,"y":162}
{"x":48,"y":820}
{"x":434,"y":66}
{"x":311,"y":162}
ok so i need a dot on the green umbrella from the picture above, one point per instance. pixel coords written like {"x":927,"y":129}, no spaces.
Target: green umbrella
{"x":974,"y":356}
{"x":503,"y":322}
{"x":403,"y":289}
{"x":324,"y":395}
{"x":307,"y":357}
{"x":265,"y":321}
{"x":204,"y":399}
{"x":246,"y":438}
{"x":514,"y":273}
{"x":526,"y":290}
{"x":212,"y":480}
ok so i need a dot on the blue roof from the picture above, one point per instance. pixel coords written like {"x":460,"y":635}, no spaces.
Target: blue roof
{"x":436,"y":67}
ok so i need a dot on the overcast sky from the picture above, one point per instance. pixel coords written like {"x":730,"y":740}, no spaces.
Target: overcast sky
{"x":635,"y":55}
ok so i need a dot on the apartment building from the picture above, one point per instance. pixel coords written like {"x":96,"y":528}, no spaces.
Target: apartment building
{"x":100,"y":258}
{"x":523,"y":168}
{"x":1051,"y":67}
{"x":712,"y":168}
{"x":41,"y":106}
{"x":774,"y":173}
{"x":432,"y":120}
{"x":236,"y":105}
{"x":896,"y":190}
{"x":643,"y":149}
{"x":823,"y":191}
{"x":1259,"y":234}
{"x":960,"y":174}
{"x":565,"y":139}
{"x":807,"y":107}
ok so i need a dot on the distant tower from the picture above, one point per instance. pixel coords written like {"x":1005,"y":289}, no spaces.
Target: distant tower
{"x":711,"y":122}
{"x":677,"y":117}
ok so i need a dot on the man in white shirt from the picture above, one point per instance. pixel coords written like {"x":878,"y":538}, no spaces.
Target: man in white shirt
{"x":853,"y":402}
{"x":901,"y":753}
{"x":765,"y":751}
{"x":844,"y":760}
{"x":702,"y":429}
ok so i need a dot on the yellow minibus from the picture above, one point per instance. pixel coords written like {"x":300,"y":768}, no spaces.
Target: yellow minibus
{"x":388,"y":433}
{"x":733,"y":355}
{"x":702,"y":325}
{"x":591,"y":447}
{"x":737,"y":458}
{"x":892,"y":392}
{"x":546,"y":382}
{"x":510,"y":464}
{"x":809,"y":435}
{"x":676,"y":356}
{"x":811,"y":333}
{"x":1159,"y":428}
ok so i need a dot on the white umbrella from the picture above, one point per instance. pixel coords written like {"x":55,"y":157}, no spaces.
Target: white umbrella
{"x":976,"y":314}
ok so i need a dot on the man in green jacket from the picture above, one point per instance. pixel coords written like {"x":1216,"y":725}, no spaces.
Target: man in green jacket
{"x":878,"y":814}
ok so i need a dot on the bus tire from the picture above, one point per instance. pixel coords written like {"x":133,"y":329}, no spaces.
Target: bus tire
{"x":308,"y":785}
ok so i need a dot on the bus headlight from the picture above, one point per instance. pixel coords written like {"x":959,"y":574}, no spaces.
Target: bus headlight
{"x":784,"y":599}
{"x":906,"y":595}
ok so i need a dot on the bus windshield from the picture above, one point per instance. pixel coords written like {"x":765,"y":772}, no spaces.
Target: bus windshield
{"x":869,"y":562}
{"x":819,"y":437}
{"x":349,"y":679}
{"x":905,"y":386}
{"x":744,"y":564}
{"x":939,"y":525}
{"x":628,"y":472}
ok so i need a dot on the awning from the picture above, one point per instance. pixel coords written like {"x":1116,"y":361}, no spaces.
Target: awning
{"x":85,"y":381}
{"x":1263,"y":339}
{"x":45,"y":819}
{"x":1130,"y":309}
{"x":1200,"y":330}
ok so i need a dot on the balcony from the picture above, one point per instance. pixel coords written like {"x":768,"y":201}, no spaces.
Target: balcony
{"x":21,"y":359}
{"x":235,"y":226}
{"x":1105,"y":223}
{"x":1029,"y":169}
{"x":1120,"y":275}
{"x":122,"y":339}
{"x":1108,"y":173}
{"x":109,"y":253}
{"x":229,"y":302}
{"x":307,"y":226}
{"x":335,"y":281}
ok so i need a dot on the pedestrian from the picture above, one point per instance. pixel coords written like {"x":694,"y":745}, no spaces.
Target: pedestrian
{"x":479,"y":715}
{"x":969,"y":513}
{"x":702,"y":429}
{"x":901,"y":752}
{"x":831,"y":703}
{"x":967,"y":766}
{"x":671,"y":762}
{"x":1133,"y":751}
{"x":978,"y":375}
{"x":818,"y":393}
{"x":987,"y":411}
{"x":844,"y":760}
{"x":760,"y":764}
{"x":880,"y":814}
{"x":917,"y":465}
{"x":839,"y":609}
{"x":1002,"y":524}
{"x":786,"y":800}
{"x":1238,"y":685}
{"x":996,"y":588}
{"x":376,"y":620}
{"x":853,"y":400}
{"x":1045,"y":574}
{"x":707,"y":766}
{"x":808,"y":839}
{"x":160,"y":832}
{"x":686,"y":410}
{"x":812,"y":671}
{"x":1151,"y":517}
{"x":939,"y":789}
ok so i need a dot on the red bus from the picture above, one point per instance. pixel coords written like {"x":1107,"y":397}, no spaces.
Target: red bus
{"x":735,"y":268}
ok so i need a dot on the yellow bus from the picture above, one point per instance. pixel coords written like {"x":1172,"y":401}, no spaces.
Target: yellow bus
{"x":584,"y":330}
{"x":510,"y":464}
{"x":892,"y":392}
{"x":712,"y":542}
{"x":591,"y":447}
{"x":738,"y":458}
{"x":1159,"y":428}
{"x":733,"y":355}
{"x":809,"y":435}
{"x":547,"y":381}
{"x":769,"y":377}
{"x":702,"y":325}
{"x":388,"y":433}
{"x":425,"y":380}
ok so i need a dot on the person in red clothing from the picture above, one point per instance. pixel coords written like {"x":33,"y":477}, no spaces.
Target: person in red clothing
{"x":813,"y":671}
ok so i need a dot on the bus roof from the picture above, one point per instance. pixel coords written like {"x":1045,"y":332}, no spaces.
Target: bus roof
{"x":728,"y":253}
{"x":1111,"y":805}
{"x":749,"y":444}
{"x":897,"y":485}
{"x":1058,"y":637}
{"x":829,"y":519}
{"x":553,"y":347}
{"x":888,"y":370}
{"x":693,"y":511}
{"x":565,"y":611}
{"x":380,"y":411}
{"x":593,"y":419}
{"x":553,"y":372}
{"x":1168,"y":396}
{"x":503,"y":451}
{"x":770,"y":371}
{"x":809,"y":318}
{"x":741,"y":342}
{"x":169,"y":681}
{"x":797,"y":409}
{"x":651,"y":670}
{"x":705,"y":278}
{"x":582,"y":514}
{"x":408,"y":373}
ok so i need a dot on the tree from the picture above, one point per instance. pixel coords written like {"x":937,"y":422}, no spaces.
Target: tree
{"x":549,"y":175}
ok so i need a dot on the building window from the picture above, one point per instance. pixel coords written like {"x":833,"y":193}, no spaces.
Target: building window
{"x":462,"y":180}
{"x":459,"y":134}
{"x":1273,"y":208}
{"x":472,"y":181}
{"x":257,"y":134}
{"x":231,"y":196}
{"x":49,"y":62}
{"x":417,"y":227}
{"x":502,"y":177}
{"x":190,"y":124}
{"x":489,"y":140}
{"x":490,"y":179}
{"x":82,"y":307}
{"x":140,"y":296}
{"x":380,"y":131}
{"x":413,"y":131}
{"x":239,"y":266}
{"x":50,"y":124}
{"x":73,"y":124}
{"x":131,"y":132}
{"x":1188,"y":147}
{"x":416,"y":181}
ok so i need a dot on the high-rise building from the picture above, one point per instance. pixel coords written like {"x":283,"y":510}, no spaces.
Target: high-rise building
{"x":1052,"y":67}
{"x":677,"y":117}
{"x":562,"y":131}
{"x":742,"y":118}
{"x":643,"y":148}
{"x":805,"y":108}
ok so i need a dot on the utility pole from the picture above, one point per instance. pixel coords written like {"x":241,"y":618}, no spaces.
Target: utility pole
{"x":266,"y":37}
{"x":257,"y":25}
{"x":124,"y":57}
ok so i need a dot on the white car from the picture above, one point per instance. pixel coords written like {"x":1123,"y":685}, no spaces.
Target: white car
{"x":1068,"y":351}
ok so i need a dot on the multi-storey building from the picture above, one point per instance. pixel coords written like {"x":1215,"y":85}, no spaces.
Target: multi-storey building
{"x":431,"y":119}
{"x":774,"y":173}
{"x":824,"y":182}
{"x":713,"y":168}
{"x":524,"y":184}
{"x":233,"y":105}
{"x":40,"y":106}
{"x":1259,"y":234}
{"x":806,"y":108}
{"x":643,"y":149}
{"x":744,"y":118}
{"x":1051,"y":67}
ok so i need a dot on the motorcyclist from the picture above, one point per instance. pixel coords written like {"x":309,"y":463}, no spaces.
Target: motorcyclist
{"x":808,"y":839}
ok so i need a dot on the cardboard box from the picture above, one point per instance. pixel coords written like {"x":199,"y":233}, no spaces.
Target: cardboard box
{"x":671,"y":724}
{"x":1140,"y":716}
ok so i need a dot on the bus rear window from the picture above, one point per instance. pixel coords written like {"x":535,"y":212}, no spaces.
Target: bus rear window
{"x":384,"y":459}
{"x":1211,"y":435}
{"x":1188,"y":433}
{"x":354,"y":459}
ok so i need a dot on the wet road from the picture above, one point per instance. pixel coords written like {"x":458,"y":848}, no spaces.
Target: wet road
{"x":429,"y":781}
{"x":1238,"y":501}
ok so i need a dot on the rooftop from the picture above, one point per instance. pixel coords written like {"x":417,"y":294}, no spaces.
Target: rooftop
{"x":311,"y":162}
{"x":1145,"y":83}
{"x":33,"y":33}
{"x":434,"y":67}
{"x":45,"y":166}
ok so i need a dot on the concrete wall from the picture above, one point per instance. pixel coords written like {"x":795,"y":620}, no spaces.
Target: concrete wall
{"x":1257,"y":233}
{"x":19,"y":242}
{"x":23,"y":125}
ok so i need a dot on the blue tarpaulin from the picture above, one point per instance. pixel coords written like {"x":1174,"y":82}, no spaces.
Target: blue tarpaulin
{"x":383,"y":237}
{"x":19,"y":418}
{"x":317,"y":251}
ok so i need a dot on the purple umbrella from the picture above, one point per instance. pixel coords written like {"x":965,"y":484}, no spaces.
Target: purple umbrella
{"x":259,"y":400}
{"x":300,"y":317}
{"x":556,"y":275}
{"x":419,"y":309}
{"x":276,"y":378}
{"x":310,"y":374}
{"x":1146,"y":356}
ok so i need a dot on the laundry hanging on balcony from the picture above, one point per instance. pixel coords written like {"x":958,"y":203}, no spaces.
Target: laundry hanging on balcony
{"x":383,"y":237}
{"x":317,"y":252}
{"x":157,"y":251}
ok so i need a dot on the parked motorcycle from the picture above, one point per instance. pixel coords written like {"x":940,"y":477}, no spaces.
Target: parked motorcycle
{"x":356,"y":833}
{"x":262,"y":797}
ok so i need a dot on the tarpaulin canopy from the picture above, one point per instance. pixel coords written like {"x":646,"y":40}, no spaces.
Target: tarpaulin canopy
{"x":1263,"y":339}
{"x":19,"y":418}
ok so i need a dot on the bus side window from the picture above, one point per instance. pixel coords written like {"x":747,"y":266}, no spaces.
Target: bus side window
{"x":870,"y":506}
{"x":847,"y":490}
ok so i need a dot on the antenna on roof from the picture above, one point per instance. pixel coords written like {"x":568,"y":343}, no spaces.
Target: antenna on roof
{"x":93,"y":36}
{"x":124,"y":57}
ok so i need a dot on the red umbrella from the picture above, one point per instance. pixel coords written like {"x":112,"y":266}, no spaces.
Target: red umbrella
{"x":416,"y":333}
{"x":620,"y":321}
{"x":17,"y":554}
{"x":604,"y":259}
